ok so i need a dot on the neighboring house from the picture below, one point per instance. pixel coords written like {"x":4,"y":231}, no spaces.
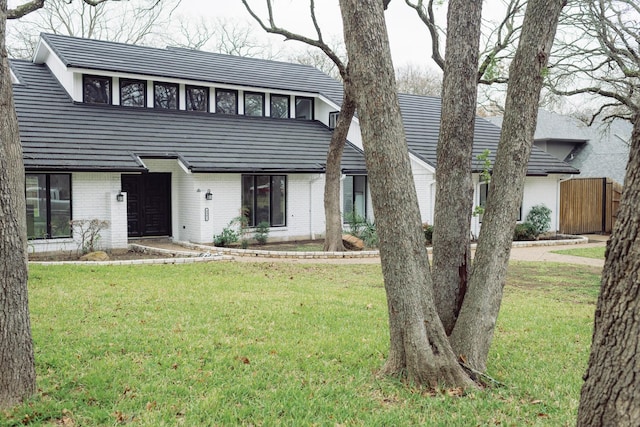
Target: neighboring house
{"x":175,"y":142}
{"x":598,"y":151}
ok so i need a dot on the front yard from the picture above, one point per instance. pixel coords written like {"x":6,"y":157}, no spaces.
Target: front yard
{"x":229,"y":343}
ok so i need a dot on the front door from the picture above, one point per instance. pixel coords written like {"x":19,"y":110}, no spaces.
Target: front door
{"x":148,"y":204}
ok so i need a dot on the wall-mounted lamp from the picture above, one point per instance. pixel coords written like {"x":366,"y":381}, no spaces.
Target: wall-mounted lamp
{"x":120,"y":196}
{"x":208,"y":195}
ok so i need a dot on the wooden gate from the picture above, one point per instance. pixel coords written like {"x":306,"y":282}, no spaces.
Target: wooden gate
{"x":588,"y":205}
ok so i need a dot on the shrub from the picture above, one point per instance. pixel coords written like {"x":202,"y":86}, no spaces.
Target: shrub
{"x":87,"y":233}
{"x":227,"y":237}
{"x":363,"y":229}
{"x":428,"y":232}
{"x":262,"y":232}
{"x":525,"y":231}
{"x":540,"y":217}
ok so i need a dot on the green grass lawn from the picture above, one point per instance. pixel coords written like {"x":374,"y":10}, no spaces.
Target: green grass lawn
{"x":283,"y":344}
{"x":596,"y":252}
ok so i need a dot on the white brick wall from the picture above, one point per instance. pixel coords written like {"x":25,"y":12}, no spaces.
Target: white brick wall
{"x":537,"y":190}
{"x":93,"y":197}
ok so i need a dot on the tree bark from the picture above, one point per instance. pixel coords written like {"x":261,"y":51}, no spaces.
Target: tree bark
{"x":332,"y":211}
{"x":419,"y":349}
{"x":17,"y":369}
{"x":473,"y":332}
{"x":454,"y":184}
{"x":611,"y":392}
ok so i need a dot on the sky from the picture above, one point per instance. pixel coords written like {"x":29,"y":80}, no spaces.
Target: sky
{"x":408,"y":37}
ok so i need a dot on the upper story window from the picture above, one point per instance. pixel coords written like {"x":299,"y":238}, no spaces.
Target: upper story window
{"x":226,"y":101}
{"x":165,"y":95}
{"x":197,"y":98}
{"x":133,"y":93}
{"x":304,"y":108}
{"x":280,"y":106}
{"x":253,"y":104}
{"x":48,"y":205}
{"x":96,"y":89}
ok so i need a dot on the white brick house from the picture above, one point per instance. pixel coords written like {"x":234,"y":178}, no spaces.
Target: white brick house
{"x":174,"y":142}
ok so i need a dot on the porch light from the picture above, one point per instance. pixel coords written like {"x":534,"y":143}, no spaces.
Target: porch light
{"x":208,"y":195}
{"x":120,"y":196}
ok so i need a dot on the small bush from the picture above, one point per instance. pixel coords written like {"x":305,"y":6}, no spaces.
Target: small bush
{"x":525,"y":231}
{"x":226,"y":238}
{"x":428,"y":233}
{"x":262,"y":232}
{"x":363,"y":229}
{"x":540,"y":217}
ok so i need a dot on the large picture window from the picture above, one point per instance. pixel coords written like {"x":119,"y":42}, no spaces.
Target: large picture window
{"x":354,"y":197}
{"x":96,"y":89}
{"x":133,"y":93}
{"x":165,"y":95}
{"x":48,"y":205}
{"x":304,"y":108}
{"x":280,"y":106}
{"x":197,"y":98}
{"x":264,"y":199}
{"x":226,"y":101}
{"x":253,"y":104}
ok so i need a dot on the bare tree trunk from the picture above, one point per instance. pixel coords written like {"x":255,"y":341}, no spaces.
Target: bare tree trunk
{"x":332,"y":211}
{"x":419,"y":348}
{"x":611,"y":392}
{"x":473,"y":332}
{"x":454,"y":192}
{"x":17,"y":370}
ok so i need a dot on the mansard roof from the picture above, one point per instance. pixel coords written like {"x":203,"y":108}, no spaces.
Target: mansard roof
{"x":59,"y":134}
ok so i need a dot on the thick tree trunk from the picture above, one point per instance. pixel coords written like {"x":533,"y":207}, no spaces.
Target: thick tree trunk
{"x":611,"y":391}
{"x":332,"y":211}
{"x":454,"y":193}
{"x":419,"y":347}
{"x":17,"y":371}
{"x":474,"y":329}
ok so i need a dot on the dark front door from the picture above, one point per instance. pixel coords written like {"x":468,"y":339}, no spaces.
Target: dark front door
{"x":148,"y":204}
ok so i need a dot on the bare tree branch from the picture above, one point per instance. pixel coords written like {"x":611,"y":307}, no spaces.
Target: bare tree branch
{"x":272,"y":28}
{"x":24,"y":9}
{"x":428,"y":18}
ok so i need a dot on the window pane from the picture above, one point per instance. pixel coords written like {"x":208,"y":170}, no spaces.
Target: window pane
{"x":263,"y":188}
{"x":278,"y":200}
{"x":166,"y":96}
{"x":60,"y":202}
{"x":96,"y":89}
{"x":226,"y":101}
{"x":247,"y":198}
{"x":347,"y":197}
{"x":197,"y":98}
{"x":304,"y":108}
{"x":132,"y":93}
{"x":253,"y":104}
{"x":36,"y":186}
{"x":280,"y":106}
{"x":360,"y":195}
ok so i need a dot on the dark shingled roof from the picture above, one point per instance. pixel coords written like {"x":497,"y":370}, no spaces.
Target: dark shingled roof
{"x":194,"y":135}
{"x":191,"y":64}
{"x":421,"y":117}
{"x":59,"y":134}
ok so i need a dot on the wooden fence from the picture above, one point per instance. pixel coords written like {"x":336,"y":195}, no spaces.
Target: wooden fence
{"x":589,"y":205}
